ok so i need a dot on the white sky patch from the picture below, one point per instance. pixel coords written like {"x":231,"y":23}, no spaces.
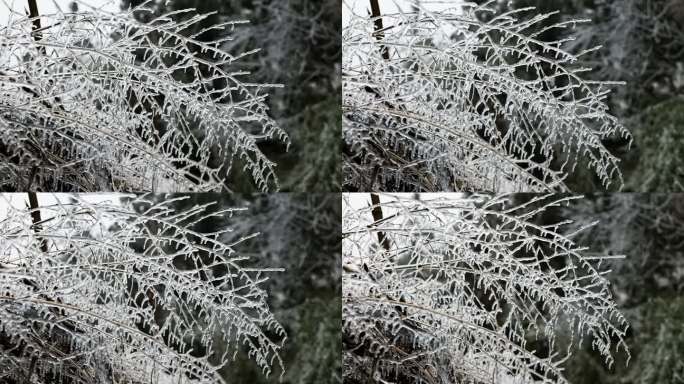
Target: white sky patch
{"x":18,"y":202}
{"x":442,"y":36}
{"x":52,"y":198}
{"x":14,"y":20}
{"x":47,"y":7}
{"x":356,"y":205}
{"x":362,"y":200}
{"x":362,"y":7}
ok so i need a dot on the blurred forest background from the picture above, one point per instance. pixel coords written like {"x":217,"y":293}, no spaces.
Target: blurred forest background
{"x":301,"y":234}
{"x":647,"y":284}
{"x":300,"y":48}
{"x":643,"y":45}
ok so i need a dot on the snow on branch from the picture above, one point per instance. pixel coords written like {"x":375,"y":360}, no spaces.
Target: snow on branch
{"x":471,"y":289}
{"x":464,"y":99}
{"x":127,"y":293}
{"x":98,"y":101}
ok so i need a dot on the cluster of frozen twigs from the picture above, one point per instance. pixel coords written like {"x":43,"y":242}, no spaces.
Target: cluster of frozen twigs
{"x":469,"y":289}
{"x":465,"y":99}
{"x":98,"y":101}
{"x":127,"y":293}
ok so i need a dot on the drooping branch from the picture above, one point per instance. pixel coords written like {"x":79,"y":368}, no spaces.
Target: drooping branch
{"x":97,"y":152}
{"x":397,"y":111}
{"x":431,"y":308}
{"x":67,"y":307}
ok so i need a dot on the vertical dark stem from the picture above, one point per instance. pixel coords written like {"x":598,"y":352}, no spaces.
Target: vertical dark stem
{"x":377,"y":216}
{"x":33,"y":196}
{"x":33,"y":13}
{"x":375,"y":13}
{"x":36,"y":219}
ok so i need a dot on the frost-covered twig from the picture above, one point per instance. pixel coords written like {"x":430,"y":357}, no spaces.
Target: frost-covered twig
{"x":445,"y":101}
{"x":472,"y":290}
{"x":128,"y":294}
{"x":103,"y":102}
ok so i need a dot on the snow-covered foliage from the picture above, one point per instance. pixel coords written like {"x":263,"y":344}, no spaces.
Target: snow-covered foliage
{"x":98,"y":101}
{"x":127,"y":293}
{"x":465,"y":99}
{"x":469,"y":289}
{"x":300,"y":48}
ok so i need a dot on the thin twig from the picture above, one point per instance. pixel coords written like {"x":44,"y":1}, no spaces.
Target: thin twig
{"x":377,"y":16}
{"x":35,"y":217}
{"x":377,"y":216}
{"x":35,"y":16}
